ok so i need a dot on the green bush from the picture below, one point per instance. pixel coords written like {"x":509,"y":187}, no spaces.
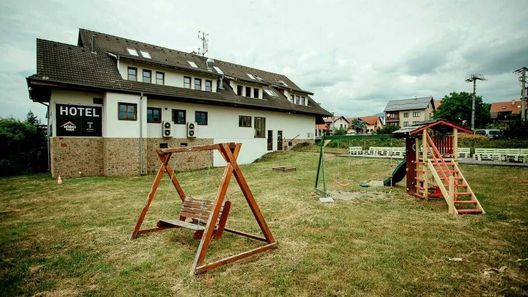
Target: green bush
{"x":23,"y":146}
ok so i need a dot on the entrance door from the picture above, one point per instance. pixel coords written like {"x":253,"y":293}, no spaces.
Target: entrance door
{"x":270,"y":140}
{"x":279,"y":140}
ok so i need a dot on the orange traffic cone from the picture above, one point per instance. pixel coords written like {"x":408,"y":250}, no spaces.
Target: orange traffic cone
{"x":59,"y":180}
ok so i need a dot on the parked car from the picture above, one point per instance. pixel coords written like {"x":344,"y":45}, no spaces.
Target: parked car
{"x":489,"y":133}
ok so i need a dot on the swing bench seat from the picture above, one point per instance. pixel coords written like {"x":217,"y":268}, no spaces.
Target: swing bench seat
{"x":194,"y":215}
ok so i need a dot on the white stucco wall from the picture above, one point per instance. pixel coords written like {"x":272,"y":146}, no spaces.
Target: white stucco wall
{"x":113,"y":127}
{"x":223,"y":126}
{"x":172,"y":77}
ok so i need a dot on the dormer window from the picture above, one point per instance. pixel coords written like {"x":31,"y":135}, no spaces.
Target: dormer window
{"x":218,"y":70}
{"x":258,"y":77}
{"x":132,"y":73}
{"x":145,"y":54}
{"x":251,"y":76}
{"x":283,"y":83}
{"x":132,"y":52}
{"x":193,"y":65}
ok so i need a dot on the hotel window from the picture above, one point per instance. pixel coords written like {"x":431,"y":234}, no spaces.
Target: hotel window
{"x":244,"y":121}
{"x":416,"y":114}
{"x":297,"y":99}
{"x":198,"y":84}
{"x":147,"y":76}
{"x":200,"y":117}
{"x":208,"y":85}
{"x":292,"y":98}
{"x":127,"y":111}
{"x":132,"y":73}
{"x":248,"y":91}
{"x":255,"y":93}
{"x":178,"y":116}
{"x":405,"y":124}
{"x":240,"y":89}
{"x":302,"y":101}
{"x":160,"y":78}
{"x":260,"y":127}
{"x":415,"y":122}
{"x":405,"y":114}
{"x":153,"y":115}
{"x":187,"y":82}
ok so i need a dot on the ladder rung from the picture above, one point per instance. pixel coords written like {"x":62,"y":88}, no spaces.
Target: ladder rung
{"x":464,"y":194}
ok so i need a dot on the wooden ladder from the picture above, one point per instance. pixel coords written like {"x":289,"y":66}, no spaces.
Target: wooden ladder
{"x":453,"y":185}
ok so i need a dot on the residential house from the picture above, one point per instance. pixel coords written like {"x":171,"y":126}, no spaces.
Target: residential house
{"x":408,"y":112}
{"x":505,"y":111}
{"x":336,"y":123}
{"x":112,"y":102}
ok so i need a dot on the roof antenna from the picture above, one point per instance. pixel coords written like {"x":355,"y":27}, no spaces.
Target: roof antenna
{"x":205,"y":43}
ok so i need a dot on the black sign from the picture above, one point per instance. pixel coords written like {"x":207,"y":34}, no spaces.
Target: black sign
{"x":78,"y":120}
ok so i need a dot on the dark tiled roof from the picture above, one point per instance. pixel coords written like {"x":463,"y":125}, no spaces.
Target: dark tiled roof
{"x":118,"y":45}
{"x":408,"y":104}
{"x":76,"y":66}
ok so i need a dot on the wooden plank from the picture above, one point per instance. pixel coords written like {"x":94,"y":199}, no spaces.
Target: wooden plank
{"x":172,"y":176}
{"x":207,"y":147}
{"x":207,"y":267}
{"x":182,"y":224}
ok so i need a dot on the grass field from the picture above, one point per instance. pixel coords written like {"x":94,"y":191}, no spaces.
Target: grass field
{"x":73,"y":239}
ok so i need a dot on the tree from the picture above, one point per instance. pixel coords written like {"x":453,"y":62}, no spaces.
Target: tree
{"x":387,"y":129}
{"x":23,"y":146}
{"x":456,"y":107}
{"x":358,"y":125}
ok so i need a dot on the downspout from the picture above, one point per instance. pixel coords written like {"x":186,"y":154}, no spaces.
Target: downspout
{"x":117,"y":59}
{"x":48,"y":134}
{"x":141,"y":145}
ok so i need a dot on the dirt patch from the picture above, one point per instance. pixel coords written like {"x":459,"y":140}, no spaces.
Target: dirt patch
{"x":359,"y":196}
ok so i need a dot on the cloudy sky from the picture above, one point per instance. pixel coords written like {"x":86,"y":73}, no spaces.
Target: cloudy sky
{"x":354,"y":55}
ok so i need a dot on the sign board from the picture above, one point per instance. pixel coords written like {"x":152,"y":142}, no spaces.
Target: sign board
{"x":78,"y":120}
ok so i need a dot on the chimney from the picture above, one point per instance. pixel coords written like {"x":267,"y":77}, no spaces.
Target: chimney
{"x":93,"y":44}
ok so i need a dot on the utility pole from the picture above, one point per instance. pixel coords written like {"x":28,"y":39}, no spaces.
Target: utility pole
{"x":473,"y":78}
{"x":524,"y":97}
{"x":205,"y":43}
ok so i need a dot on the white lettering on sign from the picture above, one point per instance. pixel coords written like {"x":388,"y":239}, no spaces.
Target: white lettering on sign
{"x":78,"y":111}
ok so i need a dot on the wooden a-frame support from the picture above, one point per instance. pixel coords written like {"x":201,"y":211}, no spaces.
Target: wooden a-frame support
{"x":229,"y":151}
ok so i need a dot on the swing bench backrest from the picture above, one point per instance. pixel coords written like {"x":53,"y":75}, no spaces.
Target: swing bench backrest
{"x":194,"y":214}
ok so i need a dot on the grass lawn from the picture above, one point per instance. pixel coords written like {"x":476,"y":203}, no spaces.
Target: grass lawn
{"x":73,"y":239}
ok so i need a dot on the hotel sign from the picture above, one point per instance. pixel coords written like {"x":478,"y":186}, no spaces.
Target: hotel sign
{"x":78,"y":120}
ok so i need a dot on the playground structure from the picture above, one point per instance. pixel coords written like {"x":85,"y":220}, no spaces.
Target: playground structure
{"x":430,"y":166}
{"x":433,"y":171}
{"x":207,"y":218}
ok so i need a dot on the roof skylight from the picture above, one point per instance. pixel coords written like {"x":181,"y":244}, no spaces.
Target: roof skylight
{"x":283,"y":83}
{"x":193,"y":65}
{"x":218,"y":69}
{"x":145,"y":54}
{"x":270,"y":92}
{"x":251,"y":76}
{"x":132,"y":52}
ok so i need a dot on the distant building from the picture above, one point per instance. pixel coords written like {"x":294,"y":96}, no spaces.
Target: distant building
{"x":408,"y":112}
{"x":336,"y":123}
{"x":505,"y":111}
{"x":372,"y":123}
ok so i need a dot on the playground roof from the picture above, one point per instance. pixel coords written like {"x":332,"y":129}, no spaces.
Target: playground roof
{"x":412,"y":130}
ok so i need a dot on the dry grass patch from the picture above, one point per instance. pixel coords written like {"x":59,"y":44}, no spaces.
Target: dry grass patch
{"x":73,"y":239}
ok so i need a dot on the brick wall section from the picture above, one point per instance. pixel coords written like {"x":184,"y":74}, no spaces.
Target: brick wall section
{"x":180,"y":161}
{"x":71,"y":155}
{"x":121,"y":156}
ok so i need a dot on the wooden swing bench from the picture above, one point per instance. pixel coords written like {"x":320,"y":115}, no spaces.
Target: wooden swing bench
{"x":194,"y":215}
{"x":207,"y":218}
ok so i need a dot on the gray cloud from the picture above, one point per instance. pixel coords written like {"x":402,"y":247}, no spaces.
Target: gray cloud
{"x":355,"y":56}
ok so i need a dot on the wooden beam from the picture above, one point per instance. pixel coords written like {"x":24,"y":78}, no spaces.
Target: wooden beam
{"x":248,"y":235}
{"x":172,"y":176}
{"x":207,"y":147}
{"x":207,"y":267}
{"x":150,"y":196}
{"x":244,"y":187}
